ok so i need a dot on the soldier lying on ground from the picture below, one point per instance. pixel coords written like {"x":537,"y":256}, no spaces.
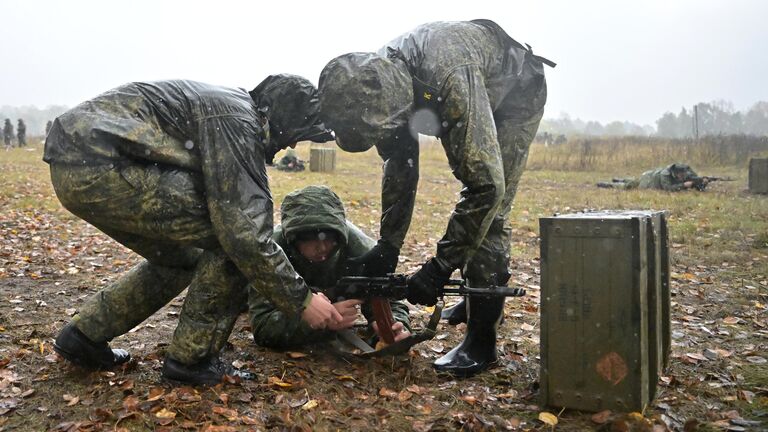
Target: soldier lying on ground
{"x":483,"y":94}
{"x":318,"y":240}
{"x":672,"y":178}
{"x":290,"y":162}
{"x":175,"y":171}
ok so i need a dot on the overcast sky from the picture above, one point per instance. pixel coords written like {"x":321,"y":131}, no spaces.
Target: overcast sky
{"x":617,"y":60}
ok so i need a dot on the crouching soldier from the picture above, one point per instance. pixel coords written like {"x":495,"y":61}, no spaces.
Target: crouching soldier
{"x":318,"y":241}
{"x":175,"y":171}
{"x":672,"y":178}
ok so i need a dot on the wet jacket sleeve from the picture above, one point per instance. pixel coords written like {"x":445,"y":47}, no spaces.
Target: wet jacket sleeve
{"x":473,"y":152}
{"x":274,"y":329}
{"x":398,"y":188}
{"x":240,"y":207}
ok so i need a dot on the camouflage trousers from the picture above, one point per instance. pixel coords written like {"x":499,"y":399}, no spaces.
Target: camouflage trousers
{"x":161,"y":214}
{"x":489,"y":264}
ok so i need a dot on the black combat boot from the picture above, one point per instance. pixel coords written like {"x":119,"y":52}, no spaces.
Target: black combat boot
{"x":477,"y":352}
{"x":455,"y":314}
{"x":207,"y":372}
{"x":76,"y":347}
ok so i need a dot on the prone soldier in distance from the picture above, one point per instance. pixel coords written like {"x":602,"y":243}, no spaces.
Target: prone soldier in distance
{"x":672,"y":178}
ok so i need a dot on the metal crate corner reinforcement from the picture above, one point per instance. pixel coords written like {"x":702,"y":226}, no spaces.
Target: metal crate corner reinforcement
{"x":605,"y":332}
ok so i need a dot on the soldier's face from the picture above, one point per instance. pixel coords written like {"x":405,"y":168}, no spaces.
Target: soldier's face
{"x":319,"y":249}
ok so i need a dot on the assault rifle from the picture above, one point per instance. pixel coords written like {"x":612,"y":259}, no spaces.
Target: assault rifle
{"x":380,"y":290}
{"x":394,"y":287}
{"x":700,"y":182}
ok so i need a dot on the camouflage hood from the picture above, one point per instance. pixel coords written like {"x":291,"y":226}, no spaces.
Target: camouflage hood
{"x":365,"y":99}
{"x":313,"y":208}
{"x":291,"y":105}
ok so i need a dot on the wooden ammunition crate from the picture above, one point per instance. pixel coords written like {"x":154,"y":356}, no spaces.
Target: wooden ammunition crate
{"x":322,"y":159}
{"x":605,"y":332}
{"x":758,"y":176}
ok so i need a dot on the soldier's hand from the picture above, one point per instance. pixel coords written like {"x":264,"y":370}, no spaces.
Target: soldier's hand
{"x":379,"y":261}
{"x":320,"y":313}
{"x":397,"y":328}
{"x":348,"y":310}
{"x":688,"y":184}
{"x":424,"y":285}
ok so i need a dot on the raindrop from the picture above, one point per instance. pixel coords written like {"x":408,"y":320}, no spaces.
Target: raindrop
{"x":189,"y":145}
{"x":111,"y":165}
{"x":439,"y":98}
{"x":321,"y":236}
{"x":459,"y":124}
{"x":146,"y":152}
{"x":445,"y":124}
{"x":410,"y":163}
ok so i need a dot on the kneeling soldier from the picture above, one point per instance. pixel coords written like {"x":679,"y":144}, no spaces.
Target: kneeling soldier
{"x":318,"y":241}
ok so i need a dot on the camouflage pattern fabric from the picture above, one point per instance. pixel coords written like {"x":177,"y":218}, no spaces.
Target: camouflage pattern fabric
{"x":664,"y":178}
{"x":175,"y":170}
{"x":7,"y":132}
{"x":310,"y":209}
{"x":21,"y":133}
{"x":483,"y":95}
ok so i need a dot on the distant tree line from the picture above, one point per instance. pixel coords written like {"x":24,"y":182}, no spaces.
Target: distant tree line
{"x":714,"y":118}
{"x":34,"y":118}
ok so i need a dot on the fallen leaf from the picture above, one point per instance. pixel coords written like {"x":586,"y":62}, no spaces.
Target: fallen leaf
{"x":387,"y":393}
{"x":470,"y":399}
{"x":731,"y":320}
{"x":296,"y":355}
{"x":228,"y":413}
{"x":278,"y":382}
{"x":601,"y":417}
{"x":71,"y":400}
{"x":155,"y":393}
{"x":312,"y":403}
{"x":757,"y":360}
{"x":548,"y":418}
{"x":165,"y":414}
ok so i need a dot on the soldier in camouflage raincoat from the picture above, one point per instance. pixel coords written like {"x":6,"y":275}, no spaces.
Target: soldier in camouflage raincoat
{"x":8,"y":133}
{"x":483,"y":94}
{"x":21,"y":133}
{"x":175,"y":171}
{"x":671,"y":178}
{"x":314,"y":218}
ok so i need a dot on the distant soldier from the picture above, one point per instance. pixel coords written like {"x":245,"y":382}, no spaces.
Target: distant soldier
{"x":8,"y":133}
{"x":290,"y":162}
{"x":48,"y":127}
{"x":21,"y":133}
{"x":672,"y":178}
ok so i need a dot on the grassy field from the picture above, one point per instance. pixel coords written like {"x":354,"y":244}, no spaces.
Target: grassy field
{"x":718,"y":380}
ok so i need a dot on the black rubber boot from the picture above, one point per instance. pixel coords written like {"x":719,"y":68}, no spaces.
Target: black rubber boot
{"x":455,"y":314}
{"x":76,"y":347}
{"x":477,"y":352}
{"x":207,"y":372}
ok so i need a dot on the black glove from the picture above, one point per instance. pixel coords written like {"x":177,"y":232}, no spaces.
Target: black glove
{"x":379,"y":261}
{"x":424,"y":285}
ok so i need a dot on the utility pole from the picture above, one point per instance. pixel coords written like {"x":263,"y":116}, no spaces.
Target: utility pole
{"x":696,"y":122}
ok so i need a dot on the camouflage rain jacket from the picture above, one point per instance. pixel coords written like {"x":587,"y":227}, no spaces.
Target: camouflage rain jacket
{"x":664,"y":178}
{"x":219,"y":137}
{"x":466,"y":78}
{"x":310,"y":209}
